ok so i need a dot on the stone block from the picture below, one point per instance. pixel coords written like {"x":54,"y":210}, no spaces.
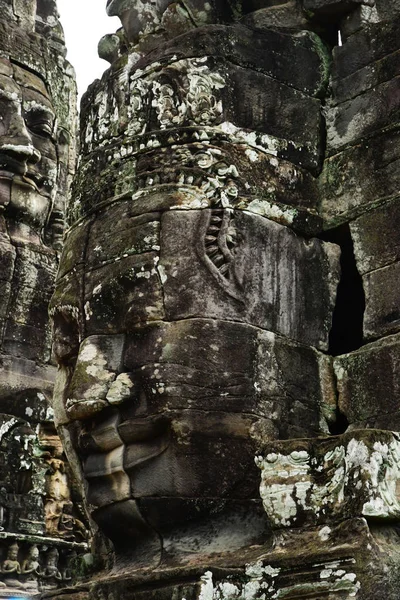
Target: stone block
{"x":360,"y":177}
{"x":30,"y":305}
{"x":366,"y":46}
{"x":376,"y":237}
{"x":379,"y":108}
{"x":331,"y":7}
{"x":68,"y":294}
{"x":5,"y":294}
{"x":99,"y":359}
{"x":358,"y":18}
{"x":244,"y":267}
{"x":35,"y":267}
{"x":110,"y":483}
{"x":250,"y":100}
{"x":27,"y":341}
{"x":382,"y":301}
{"x":7,"y":260}
{"x":74,"y":248}
{"x":380,"y":11}
{"x":370,"y":76}
{"x":285,"y":15}
{"x":26,"y":388}
{"x":197,"y":175}
{"x":368,"y":387}
{"x":242,"y":103}
{"x":377,"y":252}
{"x":323,"y":480}
{"x":301,"y":56}
{"x":344,"y":560}
{"x":131,"y":236}
{"x":237,"y":368}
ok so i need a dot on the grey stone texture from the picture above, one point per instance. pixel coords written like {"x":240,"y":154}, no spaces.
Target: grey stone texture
{"x":226,"y":308}
{"x":40,"y":505}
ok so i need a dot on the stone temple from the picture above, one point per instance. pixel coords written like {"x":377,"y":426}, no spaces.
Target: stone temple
{"x":225,"y":320}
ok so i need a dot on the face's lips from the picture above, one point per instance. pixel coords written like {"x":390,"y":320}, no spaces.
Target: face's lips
{"x":124,"y":458}
{"x":130,"y":431}
{"x":114,"y":445}
{"x":30,"y":179}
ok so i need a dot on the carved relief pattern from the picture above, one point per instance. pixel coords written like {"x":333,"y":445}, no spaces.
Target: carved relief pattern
{"x":32,"y":568}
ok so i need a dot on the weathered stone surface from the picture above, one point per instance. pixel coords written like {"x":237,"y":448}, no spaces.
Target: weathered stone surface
{"x":370,"y":44}
{"x":232,"y":175}
{"x":194,"y":300}
{"x":324,"y":480}
{"x":41,"y":522}
{"x":370,"y":112}
{"x":352,"y":564}
{"x":289,"y":289}
{"x":367,"y":385}
{"x":166,"y":104}
{"x":376,"y":251}
{"x":370,"y":76}
{"x":122,"y":294}
{"x":360,"y":178}
{"x":382,"y":316}
{"x":376,"y":238}
{"x":332,"y":7}
{"x":187,"y":420}
{"x":284,"y":15}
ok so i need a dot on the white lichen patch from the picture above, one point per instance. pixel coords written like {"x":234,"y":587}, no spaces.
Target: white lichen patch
{"x":362,"y":477}
{"x":6,"y":426}
{"x":324,"y":533}
{"x":271,"y":211}
{"x":120,"y":389}
{"x":258,"y":583}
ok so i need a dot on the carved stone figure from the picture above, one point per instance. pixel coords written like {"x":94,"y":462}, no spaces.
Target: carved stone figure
{"x":11,"y":568}
{"x":211,"y":348}
{"x":31,"y":563}
{"x":50,"y":570}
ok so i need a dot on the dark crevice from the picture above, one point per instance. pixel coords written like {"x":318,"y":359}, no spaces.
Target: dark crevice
{"x":346,"y":333}
{"x":340,"y":425}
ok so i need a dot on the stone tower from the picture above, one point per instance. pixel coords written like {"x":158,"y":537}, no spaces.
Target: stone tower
{"x":38,"y":513}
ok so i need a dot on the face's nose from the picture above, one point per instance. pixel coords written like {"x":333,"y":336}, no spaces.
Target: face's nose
{"x":97,"y":367}
{"x":16,"y":148}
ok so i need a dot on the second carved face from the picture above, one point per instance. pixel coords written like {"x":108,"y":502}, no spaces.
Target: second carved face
{"x":28,"y":156}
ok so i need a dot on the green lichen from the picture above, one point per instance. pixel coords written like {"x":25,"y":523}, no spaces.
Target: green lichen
{"x":326,"y":62}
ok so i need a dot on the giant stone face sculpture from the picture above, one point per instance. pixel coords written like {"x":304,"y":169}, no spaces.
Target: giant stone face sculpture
{"x":186,"y":313}
{"x":197,"y":306}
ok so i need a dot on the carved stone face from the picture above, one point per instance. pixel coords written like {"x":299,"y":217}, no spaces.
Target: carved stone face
{"x":28,"y":159}
{"x":36,"y":159}
{"x":186,"y":322}
{"x":30,"y":155}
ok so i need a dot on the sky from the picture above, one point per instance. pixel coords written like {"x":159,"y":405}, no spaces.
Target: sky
{"x":84,"y":23}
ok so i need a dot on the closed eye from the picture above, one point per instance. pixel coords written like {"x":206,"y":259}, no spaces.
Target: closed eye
{"x":40,"y":122}
{"x":42,"y":128}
